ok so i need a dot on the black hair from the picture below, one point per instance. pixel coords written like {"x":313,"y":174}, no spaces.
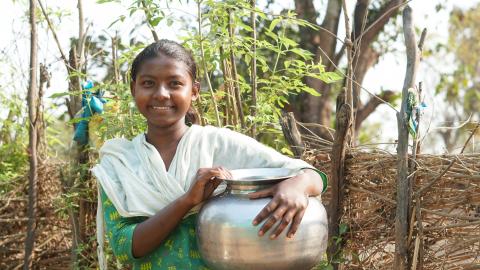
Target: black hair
{"x":173,"y":50}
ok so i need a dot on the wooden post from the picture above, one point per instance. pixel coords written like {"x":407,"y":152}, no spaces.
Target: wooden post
{"x":343,"y":139}
{"x":33,"y":105}
{"x":403,"y":191}
{"x":291,"y":133}
{"x":340,"y":144}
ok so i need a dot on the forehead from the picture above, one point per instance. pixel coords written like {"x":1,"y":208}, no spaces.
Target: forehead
{"x":163,"y":65}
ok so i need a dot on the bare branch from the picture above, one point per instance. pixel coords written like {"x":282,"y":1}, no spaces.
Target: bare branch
{"x":371,"y":106}
{"x":431,"y":183}
{"x":403,"y":185}
{"x":81,"y":34}
{"x":385,"y":13}
{"x":54,"y":33}
{"x":238,"y":97}
{"x":204,"y":63}
{"x":253,"y":67}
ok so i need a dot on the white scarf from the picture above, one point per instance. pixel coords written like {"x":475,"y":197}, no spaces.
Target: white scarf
{"x":134,"y":177}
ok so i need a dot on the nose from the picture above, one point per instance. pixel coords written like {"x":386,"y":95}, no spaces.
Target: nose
{"x":162,"y":92}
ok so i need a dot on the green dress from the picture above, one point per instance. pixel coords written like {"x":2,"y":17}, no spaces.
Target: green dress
{"x":178,"y":252}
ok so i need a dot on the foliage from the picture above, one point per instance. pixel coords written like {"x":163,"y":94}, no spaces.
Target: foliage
{"x":464,"y":38}
{"x":460,"y":86}
{"x":212,"y":44}
{"x":339,"y":256}
{"x":13,"y":139}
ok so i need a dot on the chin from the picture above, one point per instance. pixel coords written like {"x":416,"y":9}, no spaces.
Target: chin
{"x":165,"y":124}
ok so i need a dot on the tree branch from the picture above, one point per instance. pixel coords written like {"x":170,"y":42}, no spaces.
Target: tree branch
{"x":55,"y":37}
{"x":253,"y":67}
{"x":81,"y":34}
{"x":371,"y":106}
{"x":147,"y":14}
{"x":204,"y":64}
{"x":376,"y":24}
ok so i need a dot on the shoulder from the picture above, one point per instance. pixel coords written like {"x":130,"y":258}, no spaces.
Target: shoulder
{"x":216,"y":131}
{"x":118,"y":146}
{"x":221,"y":137}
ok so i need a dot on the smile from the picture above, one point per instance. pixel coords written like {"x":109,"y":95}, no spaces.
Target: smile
{"x":162,"y":108}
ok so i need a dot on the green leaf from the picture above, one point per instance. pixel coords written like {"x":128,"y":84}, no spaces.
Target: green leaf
{"x":302,"y":53}
{"x":245,"y":27}
{"x":154,"y":22}
{"x":342,"y":228}
{"x":57,"y":95}
{"x":121,"y":18}
{"x":107,"y":1}
{"x":289,"y":42}
{"x":311,"y":91}
{"x":333,"y":76}
{"x":271,"y":34}
{"x":274,"y":23}
{"x":286,"y":151}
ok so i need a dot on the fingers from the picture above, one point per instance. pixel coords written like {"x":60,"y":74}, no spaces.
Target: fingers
{"x":205,"y":174}
{"x":287,"y":218}
{"x":268,"y":192}
{"x":276,"y":216}
{"x":269,"y":208}
{"x":286,"y":208}
{"x":296,"y":223}
{"x":225,"y":174}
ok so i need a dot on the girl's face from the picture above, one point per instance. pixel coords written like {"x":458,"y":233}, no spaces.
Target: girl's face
{"x":164,"y":91}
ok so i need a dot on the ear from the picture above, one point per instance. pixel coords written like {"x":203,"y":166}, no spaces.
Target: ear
{"x":132,"y":88}
{"x":195,"y":90}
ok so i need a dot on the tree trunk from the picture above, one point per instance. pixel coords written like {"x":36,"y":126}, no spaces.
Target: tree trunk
{"x":309,"y":108}
{"x":33,"y":104}
{"x":319,"y":109}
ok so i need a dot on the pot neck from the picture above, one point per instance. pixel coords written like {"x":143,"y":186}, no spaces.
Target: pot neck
{"x":245,"y":189}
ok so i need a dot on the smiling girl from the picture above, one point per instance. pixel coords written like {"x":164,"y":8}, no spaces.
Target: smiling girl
{"x":152,"y":186}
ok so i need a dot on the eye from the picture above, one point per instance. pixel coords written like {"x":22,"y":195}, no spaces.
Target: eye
{"x":175,"y":83}
{"x":148,"y":83}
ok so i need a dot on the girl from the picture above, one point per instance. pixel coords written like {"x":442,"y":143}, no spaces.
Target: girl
{"x":152,"y":186}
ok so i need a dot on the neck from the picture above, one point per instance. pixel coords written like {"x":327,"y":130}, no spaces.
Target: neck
{"x":166,"y":137}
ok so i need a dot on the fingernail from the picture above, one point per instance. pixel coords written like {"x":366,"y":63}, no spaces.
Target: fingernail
{"x":260,"y":233}
{"x":273,"y":236}
{"x":290,"y":235}
{"x":254,"y":223}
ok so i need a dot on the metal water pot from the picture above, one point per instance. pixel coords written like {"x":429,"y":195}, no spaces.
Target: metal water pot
{"x":228,"y":240}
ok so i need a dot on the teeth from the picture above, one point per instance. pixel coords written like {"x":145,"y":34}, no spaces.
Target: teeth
{"x":161,"y":107}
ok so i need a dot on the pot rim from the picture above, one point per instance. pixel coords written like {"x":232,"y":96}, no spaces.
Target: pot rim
{"x":259,"y":176}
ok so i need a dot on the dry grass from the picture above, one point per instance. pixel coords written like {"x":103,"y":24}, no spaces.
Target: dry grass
{"x":450,"y":210}
{"x":53,"y":238}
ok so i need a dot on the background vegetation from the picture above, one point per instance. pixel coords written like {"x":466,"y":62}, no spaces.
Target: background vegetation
{"x":289,"y":58}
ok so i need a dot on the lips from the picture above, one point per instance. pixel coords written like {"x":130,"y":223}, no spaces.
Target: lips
{"x":161,"y":108}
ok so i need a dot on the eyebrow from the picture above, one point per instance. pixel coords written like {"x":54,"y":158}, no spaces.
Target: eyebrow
{"x":175,"y":76}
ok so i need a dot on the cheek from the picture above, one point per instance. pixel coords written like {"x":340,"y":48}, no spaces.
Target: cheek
{"x":140,"y":100}
{"x":183,"y":98}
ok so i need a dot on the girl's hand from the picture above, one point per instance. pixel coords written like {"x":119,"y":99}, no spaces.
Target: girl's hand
{"x":288,"y":205}
{"x":206,"y":181}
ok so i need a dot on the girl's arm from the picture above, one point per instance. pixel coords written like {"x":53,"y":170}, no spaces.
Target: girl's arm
{"x":149,"y":234}
{"x":289,"y":202}
{"x":289,"y":197}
